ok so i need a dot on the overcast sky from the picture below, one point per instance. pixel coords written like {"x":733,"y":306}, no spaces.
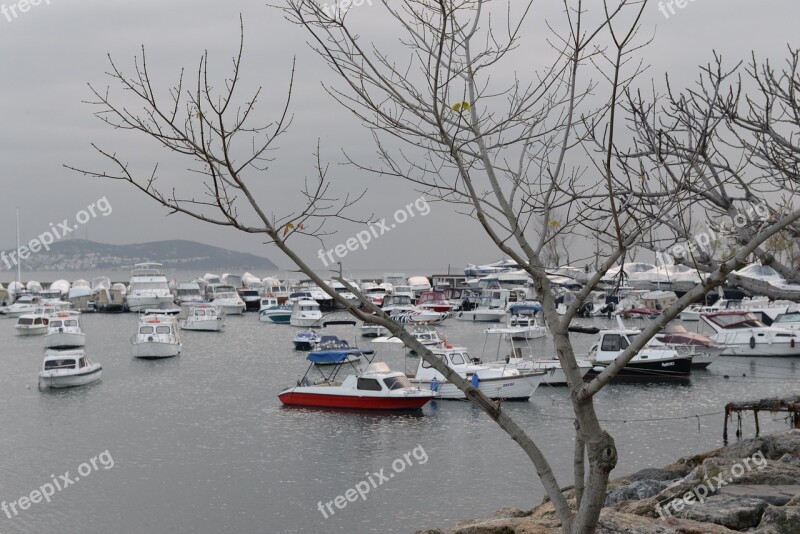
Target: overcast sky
{"x":51,"y":51}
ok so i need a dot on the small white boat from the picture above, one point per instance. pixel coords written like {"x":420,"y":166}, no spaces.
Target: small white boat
{"x":272,"y":312}
{"x":225,"y":298}
{"x":64,"y":331}
{"x":525,"y":327}
{"x":203,"y":318}
{"x":305,"y":313}
{"x":25,"y":304}
{"x":32,"y":325}
{"x":494,"y":382}
{"x":516,"y":359}
{"x":426,"y":336}
{"x":156,"y":337}
{"x":70,"y":368}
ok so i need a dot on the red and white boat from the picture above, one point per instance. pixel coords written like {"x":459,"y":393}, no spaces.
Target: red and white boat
{"x":375,"y":388}
{"x":434,"y":301}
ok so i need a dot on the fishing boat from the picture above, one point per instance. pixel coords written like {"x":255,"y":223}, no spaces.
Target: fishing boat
{"x":305,"y":313}
{"x":650,"y":363}
{"x":743,"y":334}
{"x":376,"y":387}
{"x":71,"y":368}
{"x":148,"y":288}
{"x":520,"y":356}
{"x":31,"y":324}
{"x":271,"y":312}
{"x":203,"y":318}
{"x":496,"y":383}
{"x":64,"y":331}
{"x":157,"y":336}
{"x":306,"y":340}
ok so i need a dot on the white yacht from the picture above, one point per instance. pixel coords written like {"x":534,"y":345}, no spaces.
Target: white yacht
{"x":64,"y":369}
{"x":203,"y":317}
{"x":24,"y":305}
{"x":494,"y":382}
{"x":742,"y":334}
{"x":156,"y":336}
{"x":225,"y":298}
{"x":650,"y":363}
{"x":305,"y":313}
{"x":64,"y":331}
{"x":758,"y":305}
{"x":148,"y":288}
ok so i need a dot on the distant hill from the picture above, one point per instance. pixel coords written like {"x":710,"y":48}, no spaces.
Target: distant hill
{"x":82,"y":255}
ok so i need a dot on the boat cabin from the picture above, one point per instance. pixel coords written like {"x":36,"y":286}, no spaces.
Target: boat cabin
{"x":65,"y":360}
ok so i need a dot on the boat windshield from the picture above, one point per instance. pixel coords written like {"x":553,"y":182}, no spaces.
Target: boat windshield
{"x":162,"y":330}
{"x":141,"y":286}
{"x":787,"y":318}
{"x":70,"y":322}
{"x":55,"y":324}
{"x":59,"y":364}
{"x":25,"y":321}
{"x":397,"y":382}
{"x":737,"y":320}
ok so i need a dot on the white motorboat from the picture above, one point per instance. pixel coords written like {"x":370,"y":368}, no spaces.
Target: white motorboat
{"x":305,"y":313}
{"x":31,"y":324}
{"x":156,"y":336}
{"x":788,"y":321}
{"x":758,"y":305}
{"x":427,"y":336}
{"x":525,"y":327}
{"x":272,"y":312}
{"x":742,"y":334}
{"x":225,"y":298}
{"x":189,"y":294}
{"x":204,"y":318}
{"x":520,"y":357}
{"x":70,"y":368}
{"x":149,"y":288}
{"x":494,"y":382}
{"x":372,"y":330}
{"x":478,"y":310}
{"x":64,"y":331}
{"x":25,"y":304}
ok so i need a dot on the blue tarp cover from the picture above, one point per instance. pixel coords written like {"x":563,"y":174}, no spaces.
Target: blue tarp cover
{"x":333,"y":356}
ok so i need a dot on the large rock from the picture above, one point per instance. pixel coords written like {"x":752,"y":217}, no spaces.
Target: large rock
{"x":635,"y":491}
{"x":736,"y":513}
{"x":781,"y":520}
{"x":768,"y":472}
{"x":668,"y":473}
{"x":774,"y":495}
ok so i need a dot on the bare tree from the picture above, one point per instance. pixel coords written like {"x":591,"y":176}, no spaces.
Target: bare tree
{"x":502,"y":153}
{"x":733,"y":153}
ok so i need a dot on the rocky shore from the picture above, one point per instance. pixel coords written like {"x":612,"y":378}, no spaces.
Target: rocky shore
{"x":749,"y":486}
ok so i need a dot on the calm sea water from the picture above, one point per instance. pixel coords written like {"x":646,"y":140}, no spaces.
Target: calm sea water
{"x":200,"y":443}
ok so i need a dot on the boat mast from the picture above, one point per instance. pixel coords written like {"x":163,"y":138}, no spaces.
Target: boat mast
{"x":19,"y":260}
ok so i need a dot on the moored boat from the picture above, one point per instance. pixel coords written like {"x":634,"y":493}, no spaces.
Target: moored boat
{"x":203,"y":318}
{"x":71,"y":368}
{"x":305,"y":313}
{"x":375,"y":388}
{"x":156,"y":337}
{"x":31,"y":324}
{"x":64,"y":330}
{"x":650,"y":363}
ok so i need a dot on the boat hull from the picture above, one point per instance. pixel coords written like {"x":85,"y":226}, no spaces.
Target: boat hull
{"x":64,"y":340}
{"x":277,"y":318}
{"x":203,"y":326}
{"x":481,"y":316}
{"x":672,"y":369}
{"x":69,"y":380}
{"x":138,"y":303}
{"x":292,"y":397}
{"x":155,"y":349}
{"x":763,"y":349}
{"x":507,"y":388}
{"x":38,"y":330}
